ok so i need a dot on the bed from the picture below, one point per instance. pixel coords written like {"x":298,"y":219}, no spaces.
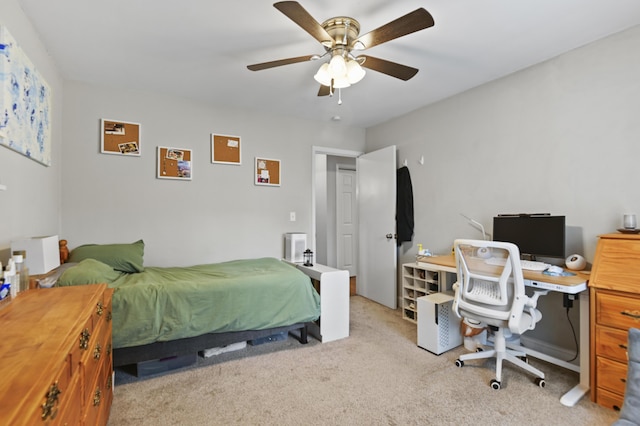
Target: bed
{"x":161,"y":312}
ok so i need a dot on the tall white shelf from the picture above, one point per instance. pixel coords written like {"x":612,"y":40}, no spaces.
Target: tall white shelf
{"x":421,"y":279}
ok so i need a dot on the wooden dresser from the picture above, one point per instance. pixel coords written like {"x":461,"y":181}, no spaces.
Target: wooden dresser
{"x":615,"y":307}
{"x":55,"y":357}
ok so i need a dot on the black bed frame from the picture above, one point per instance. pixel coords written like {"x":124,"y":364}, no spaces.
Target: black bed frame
{"x":191,"y":345}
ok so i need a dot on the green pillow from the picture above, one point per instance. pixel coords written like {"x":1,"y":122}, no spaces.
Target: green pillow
{"x":121,"y":257}
{"x":89,"y":271}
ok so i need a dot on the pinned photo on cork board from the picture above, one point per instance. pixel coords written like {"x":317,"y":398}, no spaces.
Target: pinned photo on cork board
{"x":120,"y":138}
{"x":267,"y":171}
{"x":225,"y":149}
{"x":174,"y":163}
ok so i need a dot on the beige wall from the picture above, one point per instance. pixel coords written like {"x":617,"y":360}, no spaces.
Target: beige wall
{"x":560,"y":137}
{"x":220,"y":214}
{"x":31,"y":204}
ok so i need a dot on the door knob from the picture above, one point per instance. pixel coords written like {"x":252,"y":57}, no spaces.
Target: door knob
{"x":389,"y":236}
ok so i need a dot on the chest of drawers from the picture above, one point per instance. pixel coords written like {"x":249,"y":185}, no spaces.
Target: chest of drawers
{"x":55,"y":358}
{"x":615,"y":307}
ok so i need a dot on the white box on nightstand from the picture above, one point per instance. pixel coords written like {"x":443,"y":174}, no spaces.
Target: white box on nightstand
{"x":294,"y":246}
{"x":42,"y":253}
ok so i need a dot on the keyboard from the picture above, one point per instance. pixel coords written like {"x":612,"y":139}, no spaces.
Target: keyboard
{"x":529,"y":265}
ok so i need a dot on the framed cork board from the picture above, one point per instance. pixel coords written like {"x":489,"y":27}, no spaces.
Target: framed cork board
{"x":119,"y":137}
{"x":174,"y":163}
{"x":225,"y":149}
{"x":267,"y":171}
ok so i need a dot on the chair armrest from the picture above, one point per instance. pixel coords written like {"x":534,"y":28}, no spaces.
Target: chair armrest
{"x":533,"y":300}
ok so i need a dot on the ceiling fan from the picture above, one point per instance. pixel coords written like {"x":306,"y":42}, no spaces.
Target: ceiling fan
{"x":341,"y":40}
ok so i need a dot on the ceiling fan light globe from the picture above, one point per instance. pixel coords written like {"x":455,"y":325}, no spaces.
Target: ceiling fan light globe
{"x":322,"y":76}
{"x":341,"y":82}
{"x":355,"y":72}
{"x":337,"y":65}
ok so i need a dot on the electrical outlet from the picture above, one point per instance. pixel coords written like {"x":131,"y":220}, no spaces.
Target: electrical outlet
{"x":292,"y":216}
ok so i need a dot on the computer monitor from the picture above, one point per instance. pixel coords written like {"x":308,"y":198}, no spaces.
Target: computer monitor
{"x":536,"y":235}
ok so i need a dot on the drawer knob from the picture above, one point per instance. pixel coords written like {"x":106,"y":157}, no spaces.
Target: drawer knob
{"x":96,"y":397}
{"x":84,"y":339}
{"x":633,"y":314}
{"x":97,"y":351}
{"x":50,"y":407}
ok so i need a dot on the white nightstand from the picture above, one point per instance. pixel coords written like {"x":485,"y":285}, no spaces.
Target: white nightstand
{"x":333,"y":286}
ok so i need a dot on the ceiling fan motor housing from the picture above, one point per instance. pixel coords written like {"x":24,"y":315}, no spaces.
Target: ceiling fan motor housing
{"x":343,"y":30}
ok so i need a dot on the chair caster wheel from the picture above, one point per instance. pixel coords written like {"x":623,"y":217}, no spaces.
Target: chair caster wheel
{"x":540,"y":382}
{"x":495,"y":384}
{"x":459,"y":363}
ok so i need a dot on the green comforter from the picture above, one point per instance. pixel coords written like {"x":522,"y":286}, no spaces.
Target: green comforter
{"x":162,"y":304}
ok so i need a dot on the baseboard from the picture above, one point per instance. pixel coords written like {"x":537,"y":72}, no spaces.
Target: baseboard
{"x":548,"y":348}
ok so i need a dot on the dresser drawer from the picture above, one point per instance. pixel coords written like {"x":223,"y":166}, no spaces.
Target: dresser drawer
{"x":611,"y":343}
{"x":617,"y":311}
{"x":97,"y":354}
{"x":612,"y":375}
{"x":609,"y":399}
{"x":50,"y":408}
{"x":99,"y":400}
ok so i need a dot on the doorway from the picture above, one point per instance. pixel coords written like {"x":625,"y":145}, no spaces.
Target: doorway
{"x":328,"y":166}
{"x":372,"y":250}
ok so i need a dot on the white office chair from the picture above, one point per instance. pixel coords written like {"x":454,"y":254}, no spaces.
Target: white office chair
{"x":495,"y":296}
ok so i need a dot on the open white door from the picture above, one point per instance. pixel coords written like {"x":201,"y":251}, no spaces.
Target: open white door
{"x":377,"y":226}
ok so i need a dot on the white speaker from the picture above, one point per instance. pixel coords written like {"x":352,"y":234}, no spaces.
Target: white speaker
{"x":576,"y":262}
{"x":294,"y":246}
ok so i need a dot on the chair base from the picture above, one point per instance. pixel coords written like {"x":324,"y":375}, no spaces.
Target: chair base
{"x":501,"y":353}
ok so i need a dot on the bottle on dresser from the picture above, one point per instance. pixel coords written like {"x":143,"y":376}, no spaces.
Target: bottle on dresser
{"x":9,"y":278}
{"x":22,"y":272}
{"x":4,"y":287}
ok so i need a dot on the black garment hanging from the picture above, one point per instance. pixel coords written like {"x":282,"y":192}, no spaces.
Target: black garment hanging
{"x":404,"y":205}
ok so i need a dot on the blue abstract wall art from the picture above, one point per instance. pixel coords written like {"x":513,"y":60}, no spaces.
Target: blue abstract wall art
{"x":25,"y":99}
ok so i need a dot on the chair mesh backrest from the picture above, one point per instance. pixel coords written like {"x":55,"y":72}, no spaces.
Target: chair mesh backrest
{"x":489,"y":277}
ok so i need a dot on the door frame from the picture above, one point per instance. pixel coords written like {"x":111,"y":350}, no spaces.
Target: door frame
{"x":336,"y":152}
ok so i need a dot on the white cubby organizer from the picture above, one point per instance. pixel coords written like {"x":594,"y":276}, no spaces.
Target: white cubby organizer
{"x":420,"y":279}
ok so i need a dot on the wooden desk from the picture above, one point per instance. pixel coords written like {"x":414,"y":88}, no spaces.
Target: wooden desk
{"x":575,"y":284}
{"x":569,"y":284}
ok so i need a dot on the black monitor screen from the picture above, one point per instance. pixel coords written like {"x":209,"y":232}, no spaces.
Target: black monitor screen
{"x":535,"y":235}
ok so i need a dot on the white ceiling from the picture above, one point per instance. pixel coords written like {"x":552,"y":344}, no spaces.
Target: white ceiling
{"x":199,"y":49}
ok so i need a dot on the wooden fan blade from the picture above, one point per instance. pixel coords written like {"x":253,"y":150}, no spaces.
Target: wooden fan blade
{"x":393,"y":69}
{"x":324,"y":91}
{"x":414,"y":21}
{"x":300,"y":16}
{"x":279,"y":63}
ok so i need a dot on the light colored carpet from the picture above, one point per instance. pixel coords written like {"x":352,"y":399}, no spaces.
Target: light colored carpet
{"x":377,"y":376}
